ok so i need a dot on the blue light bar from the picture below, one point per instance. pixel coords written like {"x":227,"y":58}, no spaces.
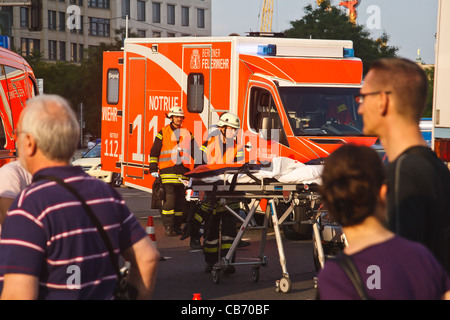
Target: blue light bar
{"x":268,"y":50}
{"x":4,"y":42}
{"x":349,"y":53}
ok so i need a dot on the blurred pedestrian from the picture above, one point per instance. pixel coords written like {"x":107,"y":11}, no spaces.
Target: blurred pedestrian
{"x":392,"y":101}
{"x":390,"y":267}
{"x":50,"y":248}
{"x":14,"y":178}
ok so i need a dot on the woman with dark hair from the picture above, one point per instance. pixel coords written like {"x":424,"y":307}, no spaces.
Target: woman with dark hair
{"x":389,"y":266}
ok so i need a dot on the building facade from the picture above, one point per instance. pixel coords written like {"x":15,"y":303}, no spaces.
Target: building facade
{"x":71,"y":26}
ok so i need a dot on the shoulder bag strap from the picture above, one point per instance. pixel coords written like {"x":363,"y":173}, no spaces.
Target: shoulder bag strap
{"x":91,"y":215}
{"x":346,"y":263}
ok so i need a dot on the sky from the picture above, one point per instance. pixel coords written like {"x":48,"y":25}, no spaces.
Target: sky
{"x":410,"y":24}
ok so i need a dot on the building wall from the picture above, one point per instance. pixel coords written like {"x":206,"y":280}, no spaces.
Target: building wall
{"x":75,"y":41}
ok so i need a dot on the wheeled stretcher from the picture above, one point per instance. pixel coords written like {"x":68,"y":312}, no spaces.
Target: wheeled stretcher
{"x":258,"y":189}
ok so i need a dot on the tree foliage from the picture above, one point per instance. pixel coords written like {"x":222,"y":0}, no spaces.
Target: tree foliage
{"x":330,"y":22}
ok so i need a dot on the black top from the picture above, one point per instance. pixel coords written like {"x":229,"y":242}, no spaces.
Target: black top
{"x":419,"y":200}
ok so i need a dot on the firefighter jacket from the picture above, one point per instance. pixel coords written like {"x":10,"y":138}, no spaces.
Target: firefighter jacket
{"x":172,"y":153}
{"x":215,"y":151}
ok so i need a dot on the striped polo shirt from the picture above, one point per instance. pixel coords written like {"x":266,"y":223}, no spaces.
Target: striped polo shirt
{"x":48,"y":234}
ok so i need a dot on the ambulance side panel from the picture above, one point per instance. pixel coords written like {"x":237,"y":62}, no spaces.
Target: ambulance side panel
{"x":112,"y":111}
{"x":160,"y":75}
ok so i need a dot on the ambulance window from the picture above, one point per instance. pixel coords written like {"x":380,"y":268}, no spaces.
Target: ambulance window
{"x":195,"y":92}
{"x":264,"y":115}
{"x":112,"y":86}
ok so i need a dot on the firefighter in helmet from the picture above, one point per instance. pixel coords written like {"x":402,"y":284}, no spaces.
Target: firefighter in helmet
{"x":220,"y":148}
{"x":171,"y":154}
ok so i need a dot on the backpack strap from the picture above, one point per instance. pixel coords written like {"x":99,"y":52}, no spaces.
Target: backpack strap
{"x":91,"y":215}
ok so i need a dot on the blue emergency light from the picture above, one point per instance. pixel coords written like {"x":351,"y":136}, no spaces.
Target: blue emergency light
{"x":349,"y":53}
{"x":267,"y":50}
{"x":4,"y":42}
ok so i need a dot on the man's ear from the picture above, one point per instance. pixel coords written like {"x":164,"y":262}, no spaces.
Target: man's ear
{"x":384,"y":103}
{"x":383,"y":192}
{"x":29,"y":144}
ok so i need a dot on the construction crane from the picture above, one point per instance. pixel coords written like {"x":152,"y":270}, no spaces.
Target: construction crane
{"x":266,"y":17}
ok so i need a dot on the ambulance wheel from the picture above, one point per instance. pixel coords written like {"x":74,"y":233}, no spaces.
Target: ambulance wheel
{"x":116,"y":180}
{"x":298,"y":231}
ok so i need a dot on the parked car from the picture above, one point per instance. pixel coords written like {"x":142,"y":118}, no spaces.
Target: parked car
{"x":91,"y":163}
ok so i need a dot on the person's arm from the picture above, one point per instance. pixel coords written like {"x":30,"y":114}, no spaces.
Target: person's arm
{"x":18,"y":286}
{"x":5,"y":203}
{"x":155,"y":152}
{"x":144,"y":259}
{"x":446,"y":295}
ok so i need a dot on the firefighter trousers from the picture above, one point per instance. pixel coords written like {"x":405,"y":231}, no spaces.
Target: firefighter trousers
{"x":173,"y":207}
{"x":218,"y":223}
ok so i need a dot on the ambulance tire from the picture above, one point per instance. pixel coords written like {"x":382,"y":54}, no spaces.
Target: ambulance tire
{"x":298,"y":231}
{"x":116,"y":180}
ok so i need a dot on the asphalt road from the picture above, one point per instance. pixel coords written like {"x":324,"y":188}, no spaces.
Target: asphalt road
{"x":181,"y":273}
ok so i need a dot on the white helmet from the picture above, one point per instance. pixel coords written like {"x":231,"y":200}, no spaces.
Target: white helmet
{"x":175,"y":111}
{"x":230,"y":120}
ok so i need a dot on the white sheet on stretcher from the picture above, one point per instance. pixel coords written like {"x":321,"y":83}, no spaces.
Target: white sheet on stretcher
{"x":283,"y":169}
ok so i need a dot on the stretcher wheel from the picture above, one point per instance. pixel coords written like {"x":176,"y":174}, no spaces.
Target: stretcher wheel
{"x":216,"y":275}
{"x":255,"y":273}
{"x":265,"y":262}
{"x":284,"y":285}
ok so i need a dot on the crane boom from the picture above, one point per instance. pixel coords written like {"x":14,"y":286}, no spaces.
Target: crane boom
{"x":267,"y":14}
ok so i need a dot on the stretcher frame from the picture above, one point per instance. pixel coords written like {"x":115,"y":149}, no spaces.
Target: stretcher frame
{"x":273,"y":192}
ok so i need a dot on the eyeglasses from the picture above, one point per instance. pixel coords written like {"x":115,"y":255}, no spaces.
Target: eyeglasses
{"x":360,"y":97}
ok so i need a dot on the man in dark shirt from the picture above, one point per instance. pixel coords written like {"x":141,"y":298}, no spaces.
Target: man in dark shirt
{"x":392,"y":100}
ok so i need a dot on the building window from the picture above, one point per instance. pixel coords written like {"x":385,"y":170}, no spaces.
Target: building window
{"x":101,"y":4}
{"x":156,"y":12}
{"x":80,"y":31}
{"x":170,"y":14}
{"x":29,"y":45}
{"x":125,"y":9}
{"x":185,"y":16}
{"x":73,"y":52}
{"x":156,"y":34}
{"x":51,"y":20}
{"x":99,"y":27}
{"x":81,"y":52}
{"x":141,"y":10}
{"x":62,"y":21}
{"x":24,"y":17}
{"x":62,"y":51}
{"x":141,"y":33}
{"x":201,"y":18}
{"x":52,"y":50}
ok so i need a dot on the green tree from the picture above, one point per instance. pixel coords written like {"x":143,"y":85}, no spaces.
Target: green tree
{"x":428,"y":113}
{"x":330,"y":22}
